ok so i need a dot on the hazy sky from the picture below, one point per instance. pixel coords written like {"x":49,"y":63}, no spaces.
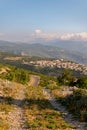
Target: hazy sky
{"x":30,"y":20}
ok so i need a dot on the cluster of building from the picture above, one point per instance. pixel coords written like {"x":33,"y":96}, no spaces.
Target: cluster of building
{"x":60,"y":64}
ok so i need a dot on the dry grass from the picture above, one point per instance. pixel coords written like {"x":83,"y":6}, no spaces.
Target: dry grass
{"x":8,"y":92}
{"x":40,"y":114}
{"x":38,"y":111}
{"x":13,"y":58}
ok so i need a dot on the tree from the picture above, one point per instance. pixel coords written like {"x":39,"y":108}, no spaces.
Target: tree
{"x":66,"y":77}
{"x":82,"y":82}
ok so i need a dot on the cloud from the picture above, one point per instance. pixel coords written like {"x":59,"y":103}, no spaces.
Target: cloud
{"x":44,"y":35}
{"x":38,"y":31}
{"x":47,"y":36}
{"x":39,"y":35}
{"x":74,"y":36}
{"x":82,"y":35}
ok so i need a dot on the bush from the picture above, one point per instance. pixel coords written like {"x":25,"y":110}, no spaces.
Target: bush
{"x":82,"y":82}
{"x":66,"y":78}
{"x":17,"y":75}
{"x":77,"y":104}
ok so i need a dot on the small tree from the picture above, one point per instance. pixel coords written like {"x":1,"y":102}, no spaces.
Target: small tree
{"x":82,"y":82}
{"x":66,"y":77}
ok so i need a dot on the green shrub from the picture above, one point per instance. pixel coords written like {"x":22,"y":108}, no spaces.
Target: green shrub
{"x":82,"y":82}
{"x":77,"y":104}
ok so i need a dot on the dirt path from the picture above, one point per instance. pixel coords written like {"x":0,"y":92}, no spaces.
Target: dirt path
{"x":57,"y":106}
{"x":34,"y":80}
{"x":67,"y":117}
{"x":16,"y":118}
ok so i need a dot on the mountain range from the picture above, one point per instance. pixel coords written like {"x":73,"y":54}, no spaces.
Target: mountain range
{"x":69,"y":51}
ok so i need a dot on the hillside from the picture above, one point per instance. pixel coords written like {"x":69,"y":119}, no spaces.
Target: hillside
{"x":34,"y":103}
{"x":72,"y":45}
{"x":31,"y":104}
{"x":47,"y":66}
{"x":41,"y":50}
{"x":25,"y":107}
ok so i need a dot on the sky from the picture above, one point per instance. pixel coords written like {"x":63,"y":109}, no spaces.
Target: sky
{"x":43,"y":20}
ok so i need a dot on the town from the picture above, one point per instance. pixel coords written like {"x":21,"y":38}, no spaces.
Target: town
{"x":59,"y":63}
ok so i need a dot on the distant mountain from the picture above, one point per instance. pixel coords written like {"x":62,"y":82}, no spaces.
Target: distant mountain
{"x":48,"y":51}
{"x":78,"y":46}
